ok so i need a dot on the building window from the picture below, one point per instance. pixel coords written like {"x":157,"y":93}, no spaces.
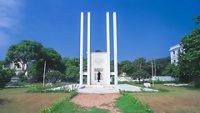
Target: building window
{"x":174,"y":61}
{"x":174,"y":52}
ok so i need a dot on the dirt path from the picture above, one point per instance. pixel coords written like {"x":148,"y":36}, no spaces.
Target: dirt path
{"x":102,"y":101}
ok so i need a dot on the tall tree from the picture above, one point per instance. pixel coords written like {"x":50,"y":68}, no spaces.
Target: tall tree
{"x":189,"y":60}
{"x":24,"y":52}
{"x":161,"y":64}
{"x":126,"y":67}
{"x":53,"y":62}
{"x":71,"y":68}
{"x":53,"y":59}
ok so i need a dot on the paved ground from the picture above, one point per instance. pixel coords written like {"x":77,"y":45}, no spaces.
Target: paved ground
{"x":104,"y":89}
{"x":102,"y":101}
{"x":98,"y":89}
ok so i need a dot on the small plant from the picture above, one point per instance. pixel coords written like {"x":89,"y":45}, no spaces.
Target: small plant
{"x":53,"y":107}
{"x":73,"y":93}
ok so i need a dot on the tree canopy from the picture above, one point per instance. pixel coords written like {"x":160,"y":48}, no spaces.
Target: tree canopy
{"x":33,"y":53}
{"x":5,"y":75}
{"x":25,"y":51}
{"x":189,"y":60}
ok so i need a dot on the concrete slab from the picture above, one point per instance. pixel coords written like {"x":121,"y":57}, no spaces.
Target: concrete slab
{"x":104,"y":89}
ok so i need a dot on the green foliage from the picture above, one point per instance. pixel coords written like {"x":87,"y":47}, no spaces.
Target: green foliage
{"x":141,"y":74}
{"x":5,"y":76}
{"x":161,"y":64}
{"x":129,"y":104}
{"x":22,"y":77}
{"x":58,"y":107}
{"x":197,"y":19}
{"x":53,"y":59}
{"x":26,"y":51}
{"x":53,"y":76}
{"x":36,"y":71}
{"x":126,"y":67}
{"x":71,"y":68}
{"x":141,"y":68}
{"x":172,"y":70}
{"x":189,"y":60}
{"x":197,"y":82}
{"x":72,"y":94}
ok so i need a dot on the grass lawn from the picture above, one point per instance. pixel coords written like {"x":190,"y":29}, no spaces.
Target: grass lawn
{"x":65,"y":106}
{"x":172,"y":99}
{"x":16,"y":100}
{"x":69,"y":107}
{"x":129,"y":104}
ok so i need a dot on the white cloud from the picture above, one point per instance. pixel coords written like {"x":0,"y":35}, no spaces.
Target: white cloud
{"x":10,"y":17}
{"x":10,"y":14}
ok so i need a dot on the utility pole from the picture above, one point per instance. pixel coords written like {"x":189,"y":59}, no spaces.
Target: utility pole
{"x":155,"y":66}
{"x":152,"y":72}
{"x":44,"y":72}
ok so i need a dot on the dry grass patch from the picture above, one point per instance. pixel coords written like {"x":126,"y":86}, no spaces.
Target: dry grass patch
{"x":18,"y":101}
{"x":175,"y":100}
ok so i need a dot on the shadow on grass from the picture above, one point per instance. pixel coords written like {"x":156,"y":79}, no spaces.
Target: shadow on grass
{"x":4,"y":101}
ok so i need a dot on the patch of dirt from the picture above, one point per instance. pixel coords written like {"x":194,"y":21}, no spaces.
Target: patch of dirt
{"x":17,"y":100}
{"x":102,"y":101}
{"x":186,"y":103}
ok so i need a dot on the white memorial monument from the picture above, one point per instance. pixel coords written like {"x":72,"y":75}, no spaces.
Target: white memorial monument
{"x":98,"y":63}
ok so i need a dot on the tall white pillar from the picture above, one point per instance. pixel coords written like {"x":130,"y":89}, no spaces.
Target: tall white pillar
{"x":108,"y":31}
{"x":115,"y":46}
{"x":88,"y":49}
{"x":108,"y":39}
{"x":81,"y":48}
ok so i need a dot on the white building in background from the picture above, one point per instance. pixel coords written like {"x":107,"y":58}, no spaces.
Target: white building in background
{"x":174,"y":53}
{"x":16,"y":66}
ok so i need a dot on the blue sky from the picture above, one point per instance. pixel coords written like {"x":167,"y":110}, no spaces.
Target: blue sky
{"x":146,"y":28}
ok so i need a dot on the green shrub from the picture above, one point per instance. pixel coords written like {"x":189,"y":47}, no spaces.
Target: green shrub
{"x":22,"y":77}
{"x":5,"y":76}
{"x":72,"y":94}
{"x":53,"y":76}
{"x":197,"y":82}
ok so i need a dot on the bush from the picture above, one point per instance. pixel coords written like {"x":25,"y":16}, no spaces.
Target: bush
{"x":53,"y":76}
{"x":22,"y":77}
{"x":5,"y":76}
{"x":197,"y":82}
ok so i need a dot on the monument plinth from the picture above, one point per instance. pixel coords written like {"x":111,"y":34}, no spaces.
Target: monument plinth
{"x":98,"y":63}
